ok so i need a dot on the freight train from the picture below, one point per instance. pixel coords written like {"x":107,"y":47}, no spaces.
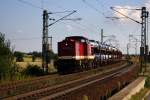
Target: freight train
{"x":78,"y":53}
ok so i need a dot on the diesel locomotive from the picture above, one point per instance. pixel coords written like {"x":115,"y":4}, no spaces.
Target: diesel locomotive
{"x":78,"y":53}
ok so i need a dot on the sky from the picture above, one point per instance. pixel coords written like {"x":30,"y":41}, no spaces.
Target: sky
{"x":21,"y":21}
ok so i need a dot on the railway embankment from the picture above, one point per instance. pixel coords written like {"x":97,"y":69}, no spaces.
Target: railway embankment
{"x":127,"y":92}
{"x":138,"y":89}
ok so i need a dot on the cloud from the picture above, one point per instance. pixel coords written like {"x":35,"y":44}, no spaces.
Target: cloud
{"x":130,"y":13}
{"x":135,"y":14}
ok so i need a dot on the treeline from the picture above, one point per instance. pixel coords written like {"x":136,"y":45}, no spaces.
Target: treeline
{"x":10,"y":70}
{"x":35,"y":54}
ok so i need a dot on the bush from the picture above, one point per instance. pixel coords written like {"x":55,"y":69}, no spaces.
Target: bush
{"x":147,"y":82}
{"x":19,"y":56}
{"x":33,"y":70}
{"x":6,"y":57}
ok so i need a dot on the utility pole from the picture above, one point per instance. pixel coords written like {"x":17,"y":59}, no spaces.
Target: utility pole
{"x":132,"y":37}
{"x":45,"y":45}
{"x":144,"y":33}
{"x":128,"y":51}
{"x":102,"y":35}
{"x":50,"y":44}
{"x":136,"y":41}
{"x":144,"y":45}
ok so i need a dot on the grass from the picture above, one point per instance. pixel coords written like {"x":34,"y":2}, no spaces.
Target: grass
{"x":24,"y":64}
{"x":28,"y":60}
{"x":140,"y":95}
{"x":15,"y":78}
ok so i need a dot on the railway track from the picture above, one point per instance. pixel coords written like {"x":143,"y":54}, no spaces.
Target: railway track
{"x":70,"y":84}
{"x":82,"y":83}
{"x":23,"y":86}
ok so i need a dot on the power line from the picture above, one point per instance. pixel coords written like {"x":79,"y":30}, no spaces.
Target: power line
{"x":42,"y":4}
{"x":30,"y":4}
{"x":81,"y":26}
{"x":101,"y":3}
{"x":20,"y":39}
{"x":126,"y":8}
{"x":91,"y":6}
{"x":59,"y":12}
{"x":113,"y":8}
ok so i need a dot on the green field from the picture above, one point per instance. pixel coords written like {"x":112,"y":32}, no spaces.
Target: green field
{"x":28,"y":61}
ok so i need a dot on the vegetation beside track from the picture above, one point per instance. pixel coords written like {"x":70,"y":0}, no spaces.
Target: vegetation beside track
{"x":140,"y":95}
{"x":52,"y":80}
{"x":10,"y":70}
{"x":72,"y":79}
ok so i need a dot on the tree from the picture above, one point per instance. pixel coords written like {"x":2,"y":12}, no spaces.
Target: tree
{"x":19,"y":56}
{"x":33,"y":70}
{"x":37,"y":54}
{"x":6,"y":56}
{"x":33,"y":58}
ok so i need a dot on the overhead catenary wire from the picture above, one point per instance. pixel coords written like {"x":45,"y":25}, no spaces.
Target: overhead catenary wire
{"x":62,"y":18}
{"x":22,"y":39}
{"x":111,"y":18}
{"x":92,"y":7}
{"x":42,"y":7}
{"x":30,"y":4}
{"x":89,"y":28}
{"x":127,"y":8}
{"x":81,"y":26}
{"x":125,"y":16}
{"x":113,"y":8}
{"x":34,"y":6}
{"x":102,"y":6}
{"x":59,"y":12}
{"x":42,"y":4}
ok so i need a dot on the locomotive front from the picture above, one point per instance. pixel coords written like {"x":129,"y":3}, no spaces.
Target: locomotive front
{"x":74,"y":54}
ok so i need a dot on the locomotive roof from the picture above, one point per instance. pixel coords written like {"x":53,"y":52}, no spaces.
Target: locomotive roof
{"x":77,"y":37}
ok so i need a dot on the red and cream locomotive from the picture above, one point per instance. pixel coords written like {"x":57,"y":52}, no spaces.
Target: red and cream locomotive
{"x":77,"y":53}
